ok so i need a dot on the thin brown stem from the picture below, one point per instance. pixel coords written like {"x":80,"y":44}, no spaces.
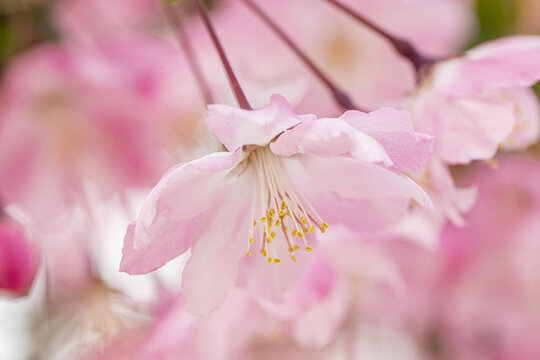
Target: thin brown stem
{"x":233,"y":80}
{"x":340,"y":96}
{"x":403,"y":47}
{"x":174,"y":18}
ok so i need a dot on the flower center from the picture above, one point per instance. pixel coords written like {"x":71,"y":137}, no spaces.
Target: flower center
{"x":280,"y":212}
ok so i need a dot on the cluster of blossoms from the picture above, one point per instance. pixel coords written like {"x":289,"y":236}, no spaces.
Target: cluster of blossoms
{"x":382,"y":204}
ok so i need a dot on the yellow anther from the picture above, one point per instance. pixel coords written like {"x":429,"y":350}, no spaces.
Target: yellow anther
{"x":308,"y":248}
{"x":263,"y":218}
{"x":271,"y":212}
{"x":300,"y":235}
{"x":311,"y":228}
{"x":291,"y":250}
{"x":285,"y":228}
{"x":270,"y":222}
{"x":272,"y":234}
{"x":294,"y":232}
{"x":251,"y":240}
{"x":305,"y":230}
{"x":263,"y":252}
{"x":283,"y":205}
{"x":277,"y":261}
{"x":296,"y":247}
{"x":288,"y":213}
{"x":269,"y":260}
{"x":303,"y":220}
{"x":281,"y":213}
{"x":268,"y":239}
{"x":293,"y":258}
{"x":248,"y":253}
{"x":278,"y":222}
{"x":324,"y":225}
{"x":254,"y":223}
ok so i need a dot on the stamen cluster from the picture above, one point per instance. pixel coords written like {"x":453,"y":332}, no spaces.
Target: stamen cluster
{"x":283,"y":212}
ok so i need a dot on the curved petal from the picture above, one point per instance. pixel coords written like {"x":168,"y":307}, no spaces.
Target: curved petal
{"x":507,"y":62}
{"x":213,"y":266}
{"x":184,"y":191}
{"x":170,"y":219}
{"x":236,"y":127}
{"x":465,"y":129}
{"x":352,"y":179}
{"x":170,"y":240}
{"x":329,"y":137}
{"x":367,"y":198}
{"x":409,"y":150}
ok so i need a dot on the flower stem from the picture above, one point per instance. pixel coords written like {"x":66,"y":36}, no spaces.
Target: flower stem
{"x":233,"y":80}
{"x":174,"y":18}
{"x":403,"y":47}
{"x":340,"y":96}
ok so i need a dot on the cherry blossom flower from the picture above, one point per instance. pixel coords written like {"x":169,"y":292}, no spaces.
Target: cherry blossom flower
{"x":284,"y":177}
{"x":473,"y":103}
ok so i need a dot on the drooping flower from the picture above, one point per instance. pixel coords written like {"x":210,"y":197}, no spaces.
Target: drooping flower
{"x":478,"y":102}
{"x":474,"y":105}
{"x":284,"y":177}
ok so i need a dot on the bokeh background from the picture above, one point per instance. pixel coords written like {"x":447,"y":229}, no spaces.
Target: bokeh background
{"x":121,"y":64}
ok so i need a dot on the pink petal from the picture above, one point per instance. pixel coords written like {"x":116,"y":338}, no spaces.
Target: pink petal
{"x":213,"y":266}
{"x":236,"y":127}
{"x":170,"y":240}
{"x":351,"y":179}
{"x":366,"y":197}
{"x":329,"y":137}
{"x":169,"y":220}
{"x":409,"y":150}
{"x":507,"y":62}
{"x":465,"y":129}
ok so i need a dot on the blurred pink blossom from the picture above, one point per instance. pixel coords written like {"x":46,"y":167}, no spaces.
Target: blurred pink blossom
{"x":111,"y":116}
{"x":19,"y":260}
{"x":476,"y":297}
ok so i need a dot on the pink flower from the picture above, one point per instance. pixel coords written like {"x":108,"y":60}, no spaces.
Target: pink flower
{"x":472,"y":104}
{"x":19,"y":261}
{"x":284,"y":176}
